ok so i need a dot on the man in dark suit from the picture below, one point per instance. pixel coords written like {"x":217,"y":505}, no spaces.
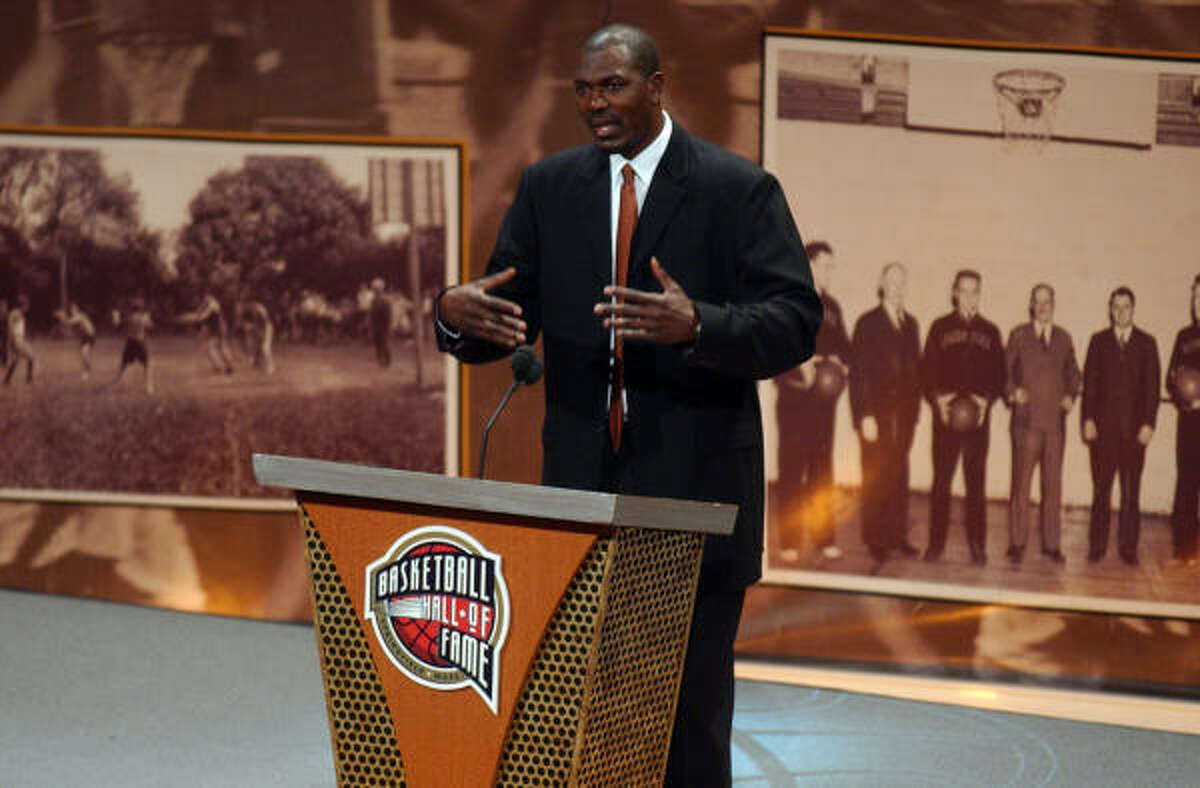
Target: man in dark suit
{"x":1185,"y":360}
{"x":1043,"y":381}
{"x":885,"y":399}
{"x":805,"y":406}
{"x":1121,"y":378}
{"x":650,"y":387}
{"x":964,"y":357}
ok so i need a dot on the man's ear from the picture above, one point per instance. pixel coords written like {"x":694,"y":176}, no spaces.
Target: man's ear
{"x":657,"y":82}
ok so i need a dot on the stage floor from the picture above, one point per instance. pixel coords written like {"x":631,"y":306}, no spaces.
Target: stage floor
{"x":103,"y":694}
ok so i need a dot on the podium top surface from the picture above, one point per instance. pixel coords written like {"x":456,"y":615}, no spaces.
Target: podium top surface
{"x":484,"y":495}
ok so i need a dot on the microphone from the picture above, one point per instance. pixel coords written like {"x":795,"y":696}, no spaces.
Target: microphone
{"x":527,"y":369}
{"x":526,"y":366}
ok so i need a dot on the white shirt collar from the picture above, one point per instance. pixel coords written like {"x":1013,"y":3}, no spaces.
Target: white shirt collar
{"x":644,"y":163}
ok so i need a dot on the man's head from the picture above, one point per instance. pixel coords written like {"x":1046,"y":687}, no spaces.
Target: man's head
{"x":1120,"y":307}
{"x":618,"y":89}
{"x":892,"y":283}
{"x":967,"y":284}
{"x":820,"y":257}
{"x":1041,"y":303}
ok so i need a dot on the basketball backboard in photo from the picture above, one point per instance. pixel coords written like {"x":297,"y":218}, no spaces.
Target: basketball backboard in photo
{"x":1033,"y":94}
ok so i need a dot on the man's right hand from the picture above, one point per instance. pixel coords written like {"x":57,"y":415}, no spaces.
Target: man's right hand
{"x":869,"y":429}
{"x":808,"y":374}
{"x":468,"y":308}
{"x":1090,"y":433}
{"x":943,"y":406}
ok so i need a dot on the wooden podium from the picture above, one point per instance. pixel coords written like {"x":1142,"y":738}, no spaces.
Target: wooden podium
{"x":476,"y":632}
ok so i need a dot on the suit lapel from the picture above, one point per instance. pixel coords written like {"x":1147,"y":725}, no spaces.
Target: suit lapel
{"x":593,"y":194}
{"x":667,"y":190}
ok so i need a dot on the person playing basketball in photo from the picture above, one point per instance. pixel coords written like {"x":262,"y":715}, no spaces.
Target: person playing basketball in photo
{"x":208,"y":315}
{"x":261,"y":332}
{"x":137,"y":325}
{"x":78,"y":323}
{"x":18,"y":343}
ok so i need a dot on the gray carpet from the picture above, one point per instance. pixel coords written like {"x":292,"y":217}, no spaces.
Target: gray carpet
{"x":98,"y":694}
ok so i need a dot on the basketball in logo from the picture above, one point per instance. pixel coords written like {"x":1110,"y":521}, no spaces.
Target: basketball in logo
{"x":439,"y":606}
{"x":420,"y":634}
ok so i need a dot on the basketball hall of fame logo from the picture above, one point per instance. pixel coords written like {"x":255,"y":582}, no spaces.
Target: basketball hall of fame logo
{"x":439,"y":606}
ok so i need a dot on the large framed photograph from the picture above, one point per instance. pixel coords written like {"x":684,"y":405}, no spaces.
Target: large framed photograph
{"x":173,"y":302}
{"x":1004,"y":405}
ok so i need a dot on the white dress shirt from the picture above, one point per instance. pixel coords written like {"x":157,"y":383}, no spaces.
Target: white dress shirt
{"x":644,"y":165}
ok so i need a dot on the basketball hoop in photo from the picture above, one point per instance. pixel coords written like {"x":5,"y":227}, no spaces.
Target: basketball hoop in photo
{"x":153,"y":49}
{"x":1027,"y":99}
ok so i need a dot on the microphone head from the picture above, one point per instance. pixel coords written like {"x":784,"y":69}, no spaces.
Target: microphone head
{"x":526,"y":366}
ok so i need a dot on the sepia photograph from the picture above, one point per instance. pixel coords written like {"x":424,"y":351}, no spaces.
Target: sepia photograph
{"x":173,"y":302}
{"x":1003,"y":404}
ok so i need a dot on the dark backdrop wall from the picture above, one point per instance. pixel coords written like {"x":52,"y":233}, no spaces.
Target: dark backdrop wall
{"x":498,"y":75}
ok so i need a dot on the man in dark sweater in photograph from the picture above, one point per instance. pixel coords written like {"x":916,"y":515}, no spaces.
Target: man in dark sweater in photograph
{"x":963,"y":365}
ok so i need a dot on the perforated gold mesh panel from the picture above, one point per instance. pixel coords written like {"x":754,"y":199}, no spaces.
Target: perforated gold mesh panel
{"x":541,"y":741}
{"x":630,"y":705}
{"x":364,"y":740}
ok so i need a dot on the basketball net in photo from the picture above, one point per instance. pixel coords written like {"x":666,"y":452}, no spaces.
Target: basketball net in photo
{"x":156,"y":71}
{"x":1027,"y":100}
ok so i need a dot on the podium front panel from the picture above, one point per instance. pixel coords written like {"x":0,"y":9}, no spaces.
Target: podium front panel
{"x":595,"y":629}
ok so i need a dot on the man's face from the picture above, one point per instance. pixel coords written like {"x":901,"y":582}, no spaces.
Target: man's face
{"x":822,"y":268}
{"x":622,"y":108}
{"x":966,"y":294}
{"x":893,"y":285}
{"x":1120,"y":309}
{"x":1043,"y":306}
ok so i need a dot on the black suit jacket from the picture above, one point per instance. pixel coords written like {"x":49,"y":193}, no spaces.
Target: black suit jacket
{"x":722,"y":229}
{"x":1121,"y":387}
{"x":885,"y":378}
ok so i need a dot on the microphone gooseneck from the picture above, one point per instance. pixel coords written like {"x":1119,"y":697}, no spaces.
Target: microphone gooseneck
{"x":527,"y":369}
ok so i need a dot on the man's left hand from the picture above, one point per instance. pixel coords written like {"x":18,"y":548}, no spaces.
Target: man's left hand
{"x":982,"y":403}
{"x":1145,"y":434}
{"x":666,"y":318}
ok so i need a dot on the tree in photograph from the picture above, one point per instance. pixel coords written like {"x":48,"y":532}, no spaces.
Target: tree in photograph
{"x":277,"y":224}
{"x":70,"y":214}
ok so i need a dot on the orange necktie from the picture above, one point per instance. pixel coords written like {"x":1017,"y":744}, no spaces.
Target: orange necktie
{"x":626,"y":222}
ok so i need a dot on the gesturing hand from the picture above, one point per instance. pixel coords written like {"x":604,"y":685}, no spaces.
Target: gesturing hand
{"x":666,"y":318}
{"x":470,"y":309}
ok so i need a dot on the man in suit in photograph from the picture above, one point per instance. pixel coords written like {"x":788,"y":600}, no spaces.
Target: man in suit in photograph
{"x":805,"y":407}
{"x":1182,"y":372}
{"x":963,"y":359}
{"x":1121,"y":378}
{"x":885,"y":400}
{"x":1043,"y":382}
{"x":653,"y":343}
